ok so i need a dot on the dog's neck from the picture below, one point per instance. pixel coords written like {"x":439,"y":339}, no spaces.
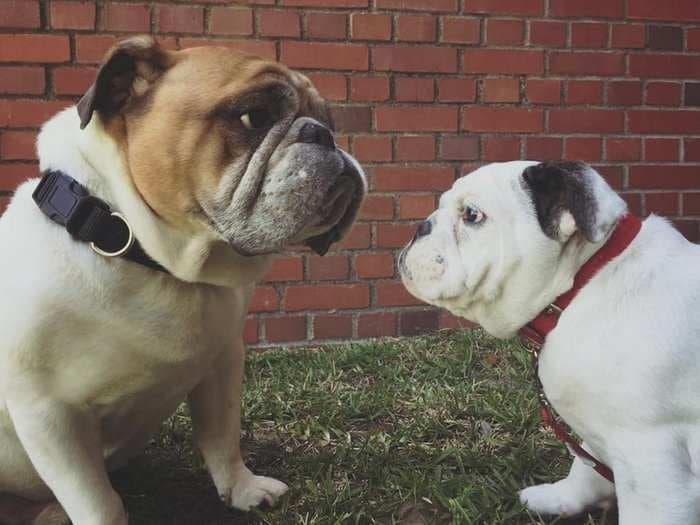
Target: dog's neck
{"x":93,"y":157}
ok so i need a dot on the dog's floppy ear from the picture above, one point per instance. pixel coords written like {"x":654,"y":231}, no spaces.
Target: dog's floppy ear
{"x":570,"y":197}
{"x":128,"y":71}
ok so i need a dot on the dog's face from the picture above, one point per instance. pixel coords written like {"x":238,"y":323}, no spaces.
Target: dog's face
{"x":227,"y":142}
{"x":503,"y":237}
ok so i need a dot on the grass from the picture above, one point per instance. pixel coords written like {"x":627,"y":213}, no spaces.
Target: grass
{"x":432,"y":430}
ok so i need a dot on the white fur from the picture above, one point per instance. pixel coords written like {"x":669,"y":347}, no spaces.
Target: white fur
{"x":95,"y":353}
{"x":622,"y":365}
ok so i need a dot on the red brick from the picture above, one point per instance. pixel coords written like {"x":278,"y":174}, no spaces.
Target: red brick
{"x":416,"y":323}
{"x":91,"y":49}
{"x":663,"y":177}
{"x":415,"y":59}
{"x":691,"y":149}
{"x":663,"y":94}
{"x":587,"y":63}
{"x":286,"y":269}
{"x":228,"y":21}
{"x":325,"y":55}
{"x":416,"y":206}
{"x":416,"y":28}
{"x":326,"y":26}
{"x":460,"y":30}
{"x":543,"y":91}
{"x":279,"y":23}
{"x":411,"y":89}
{"x":332,"y":326}
{"x":501,"y":90}
{"x":326,"y":3}
{"x":503,"y":61}
{"x":584,"y":92}
{"x":180,"y":19}
{"x":543,"y":148}
{"x":415,"y":147}
{"x":579,"y":148}
{"x":28,"y":113}
{"x":250,"y":332}
{"x":18,"y":145}
{"x":419,"y":5}
{"x":516,"y":120}
{"x":547,"y":33}
{"x":265,"y":299}
{"x":134,"y":18}
{"x":372,"y":149}
{"x":664,"y":65}
{"x":658,"y":150}
{"x":666,"y":38}
{"x":366,"y":26}
{"x":678,"y":10}
{"x":12,"y":175}
{"x":34,"y":48}
{"x":282,"y":329}
{"x":369,"y":88}
{"x":589,"y":8}
{"x":456,"y":90}
{"x":73,"y":80}
{"x":73,"y":15}
{"x":689,"y":229}
{"x":413,"y":178}
{"x":623,"y":148}
{"x":505,"y":7}
{"x":628,"y":35}
{"x":331,"y":87}
{"x":592,"y":35}
{"x":501,"y":148}
{"x":19,"y":13}
{"x":352,"y":118}
{"x":392,"y":293}
{"x":453,"y":322}
{"x":692,"y":38}
{"x":663,"y":122}
{"x":374,"y":265}
{"x":265,"y":49}
{"x":4,"y":203}
{"x":357,"y":239}
{"x":377,"y":208}
{"x":634,"y":202}
{"x":504,"y":32}
{"x":459,"y":148}
{"x":379,"y":324}
{"x":661,"y":203}
{"x":419,"y":118}
{"x":21,"y":80}
{"x":329,"y":268}
{"x":625,"y":93}
{"x":612,"y":174}
{"x":326,"y":297}
{"x":586,"y":121}
{"x":691,"y":203}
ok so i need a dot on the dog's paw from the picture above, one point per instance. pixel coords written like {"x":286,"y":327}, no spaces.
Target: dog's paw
{"x":553,"y":499}
{"x":249,"y":491}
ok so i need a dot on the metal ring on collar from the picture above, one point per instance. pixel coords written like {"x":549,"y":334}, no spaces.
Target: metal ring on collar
{"x":122,"y":250}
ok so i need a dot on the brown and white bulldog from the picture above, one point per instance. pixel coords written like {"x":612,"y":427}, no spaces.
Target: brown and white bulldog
{"x":217,"y":161}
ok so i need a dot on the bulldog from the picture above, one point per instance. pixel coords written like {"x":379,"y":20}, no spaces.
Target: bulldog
{"x":213,"y":161}
{"x":622,"y":364}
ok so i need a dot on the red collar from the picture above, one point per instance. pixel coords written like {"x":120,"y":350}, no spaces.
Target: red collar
{"x":535,"y":332}
{"x":626,"y":230}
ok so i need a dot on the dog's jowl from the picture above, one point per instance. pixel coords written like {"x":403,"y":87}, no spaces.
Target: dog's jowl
{"x":126,"y":279}
{"x":621,"y":364}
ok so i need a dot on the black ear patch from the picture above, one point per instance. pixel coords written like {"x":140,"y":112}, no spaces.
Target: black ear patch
{"x":556,"y":187}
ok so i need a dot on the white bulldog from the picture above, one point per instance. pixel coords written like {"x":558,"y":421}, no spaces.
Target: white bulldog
{"x":217,"y":161}
{"x":622,"y":365}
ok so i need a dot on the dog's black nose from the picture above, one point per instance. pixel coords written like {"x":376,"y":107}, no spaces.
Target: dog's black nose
{"x":313,"y":133}
{"x":424,"y":228}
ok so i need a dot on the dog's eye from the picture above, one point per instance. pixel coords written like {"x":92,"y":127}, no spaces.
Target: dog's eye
{"x":256,"y":119}
{"x":473,"y":215}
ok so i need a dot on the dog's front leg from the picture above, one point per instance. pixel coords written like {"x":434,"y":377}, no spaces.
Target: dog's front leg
{"x":215,"y":405}
{"x":64,"y":445}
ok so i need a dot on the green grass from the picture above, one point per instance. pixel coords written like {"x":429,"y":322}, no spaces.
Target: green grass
{"x":429,"y":430}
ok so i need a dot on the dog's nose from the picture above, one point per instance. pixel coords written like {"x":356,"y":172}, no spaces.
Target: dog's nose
{"x":313,"y":133}
{"x":424,"y":228}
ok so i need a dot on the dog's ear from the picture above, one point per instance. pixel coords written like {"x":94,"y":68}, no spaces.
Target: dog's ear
{"x":570,"y":197}
{"x":128,"y":72}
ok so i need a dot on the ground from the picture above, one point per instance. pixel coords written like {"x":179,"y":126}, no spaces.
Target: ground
{"x":432,"y":430}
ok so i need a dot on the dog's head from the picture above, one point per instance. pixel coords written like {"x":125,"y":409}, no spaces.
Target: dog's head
{"x":227,"y":142}
{"x":505,"y":237}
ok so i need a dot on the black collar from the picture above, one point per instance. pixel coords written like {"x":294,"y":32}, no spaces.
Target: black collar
{"x":89,"y":219}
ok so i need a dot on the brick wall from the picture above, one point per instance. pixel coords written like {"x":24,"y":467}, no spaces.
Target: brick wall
{"x":425,"y":90}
